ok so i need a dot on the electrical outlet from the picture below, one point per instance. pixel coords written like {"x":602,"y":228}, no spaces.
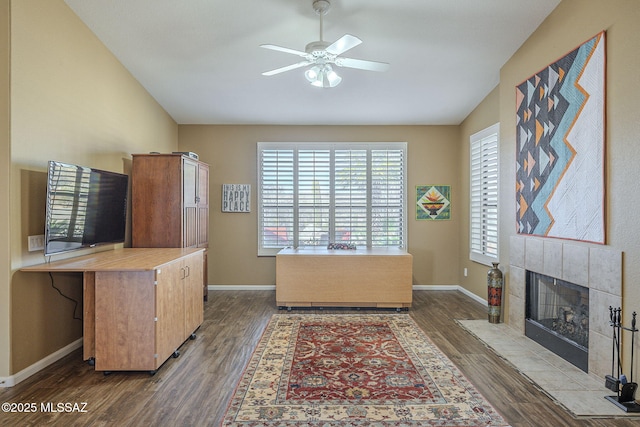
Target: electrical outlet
{"x":465,"y":272}
{"x":36,"y":243}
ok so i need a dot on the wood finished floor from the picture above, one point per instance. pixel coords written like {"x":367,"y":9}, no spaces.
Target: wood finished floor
{"x":194,"y":389}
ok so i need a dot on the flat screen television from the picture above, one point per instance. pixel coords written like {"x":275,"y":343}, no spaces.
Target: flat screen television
{"x":85,"y":207}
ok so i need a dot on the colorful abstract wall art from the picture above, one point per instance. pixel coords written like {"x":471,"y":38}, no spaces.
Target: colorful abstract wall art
{"x":560,"y":147}
{"x":433,"y":202}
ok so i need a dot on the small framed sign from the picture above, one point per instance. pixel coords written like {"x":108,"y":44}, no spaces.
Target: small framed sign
{"x":236,"y":197}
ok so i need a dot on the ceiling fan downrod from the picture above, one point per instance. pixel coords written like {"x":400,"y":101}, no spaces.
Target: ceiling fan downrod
{"x":322,"y":8}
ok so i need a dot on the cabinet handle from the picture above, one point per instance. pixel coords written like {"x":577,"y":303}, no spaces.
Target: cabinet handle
{"x":185,"y":272}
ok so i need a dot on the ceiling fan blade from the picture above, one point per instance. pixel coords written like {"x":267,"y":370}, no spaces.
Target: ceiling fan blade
{"x":287,"y":68}
{"x":284,"y":49}
{"x":362,"y":64}
{"x":343,"y":44}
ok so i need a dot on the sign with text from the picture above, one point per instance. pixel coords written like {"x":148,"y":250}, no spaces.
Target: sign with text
{"x":236,"y":197}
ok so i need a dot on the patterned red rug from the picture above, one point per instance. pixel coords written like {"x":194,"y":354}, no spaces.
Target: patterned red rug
{"x":353,"y":370}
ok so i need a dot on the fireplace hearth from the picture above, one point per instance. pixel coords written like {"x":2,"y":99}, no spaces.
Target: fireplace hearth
{"x":557,"y":317}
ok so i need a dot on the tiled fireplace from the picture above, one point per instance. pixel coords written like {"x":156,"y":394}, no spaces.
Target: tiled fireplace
{"x":597,"y":268}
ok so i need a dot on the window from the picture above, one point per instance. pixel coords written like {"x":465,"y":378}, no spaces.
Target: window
{"x":311,"y":194}
{"x":484,"y":195}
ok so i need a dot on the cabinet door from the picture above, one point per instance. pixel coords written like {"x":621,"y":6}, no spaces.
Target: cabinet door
{"x":190,"y":202}
{"x":193,"y":282}
{"x":169,"y":310}
{"x":156,"y":205}
{"x":125,"y":321}
{"x":203,"y":205}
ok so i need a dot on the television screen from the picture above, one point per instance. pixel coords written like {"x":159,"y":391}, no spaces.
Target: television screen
{"x":85,"y":207}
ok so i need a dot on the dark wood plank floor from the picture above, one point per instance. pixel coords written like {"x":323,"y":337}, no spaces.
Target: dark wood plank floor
{"x":194,"y":389}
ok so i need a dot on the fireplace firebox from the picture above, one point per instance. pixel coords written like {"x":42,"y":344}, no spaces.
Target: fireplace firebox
{"x":557,"y":317}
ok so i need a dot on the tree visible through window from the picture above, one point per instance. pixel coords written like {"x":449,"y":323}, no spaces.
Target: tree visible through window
{"x":311,"y":194}
{"x":484,"y":195}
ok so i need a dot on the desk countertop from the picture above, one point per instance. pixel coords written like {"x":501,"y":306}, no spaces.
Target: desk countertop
{"x":124,"y":259}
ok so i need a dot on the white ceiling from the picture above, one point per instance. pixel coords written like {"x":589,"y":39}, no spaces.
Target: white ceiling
{"x":201,"y":60}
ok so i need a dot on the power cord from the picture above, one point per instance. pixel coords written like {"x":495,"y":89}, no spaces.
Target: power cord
{"x":75,"y":303}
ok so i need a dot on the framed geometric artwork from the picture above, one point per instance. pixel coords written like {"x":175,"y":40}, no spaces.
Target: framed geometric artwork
{"x":560,"y":128}
{"x":433,"y":202}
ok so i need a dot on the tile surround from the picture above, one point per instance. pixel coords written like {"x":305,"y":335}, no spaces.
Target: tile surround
{"x":534,"y":255}
{"x":597,"y":267}
{"x":516,"y":251}
{"x":605,"y":270}
{"x":575,"y":264}
{"x":552,"y":253}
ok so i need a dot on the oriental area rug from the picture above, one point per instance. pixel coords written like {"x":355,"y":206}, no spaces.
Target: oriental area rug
{"x":353,"y":370}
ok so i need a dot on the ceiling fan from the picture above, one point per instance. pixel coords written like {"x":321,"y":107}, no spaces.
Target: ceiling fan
{"x":322,"y":55}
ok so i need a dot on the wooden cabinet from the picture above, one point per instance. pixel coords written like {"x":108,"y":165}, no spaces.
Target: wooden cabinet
{"x":140,"y":305}
{"x":379,"y":277}
{"x":170,"y":203}
{"x":143,"y":317}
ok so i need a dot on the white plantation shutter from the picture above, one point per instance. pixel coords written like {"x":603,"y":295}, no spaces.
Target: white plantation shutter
{"x":311,"y":194}
{"x":484,"y":183}
{"x":314,"y":196}
{"x":276,"y":198}
{"x":387,"y":179}
{"x":351,"y":215}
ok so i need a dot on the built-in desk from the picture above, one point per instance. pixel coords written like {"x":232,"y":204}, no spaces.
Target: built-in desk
{"x":378,"y":277}
{"x":140,"y":304}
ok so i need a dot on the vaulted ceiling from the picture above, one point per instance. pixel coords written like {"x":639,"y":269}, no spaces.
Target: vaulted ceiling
{"x":201,"y":60}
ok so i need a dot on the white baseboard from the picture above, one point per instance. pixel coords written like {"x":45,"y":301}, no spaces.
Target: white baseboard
{"x":472,"y":295}
{"x":435,"y":287}
{"x":459,"y":288}
{"x":241,"y":287}
{"x":450,"y":288}
{"x":40,"y":365}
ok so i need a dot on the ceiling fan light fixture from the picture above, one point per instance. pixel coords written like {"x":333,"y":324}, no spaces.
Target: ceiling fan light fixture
{"x":323,"y":76}
{"x":312,"y":73}
{"x":331,"y":77}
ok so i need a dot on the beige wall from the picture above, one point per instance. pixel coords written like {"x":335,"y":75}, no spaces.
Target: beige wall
{"x":72,"y":101}
{"x":484,"y":115}
{"x":433,"y":153}
{"x":572,"y":23}
{"x":5,"y":167}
